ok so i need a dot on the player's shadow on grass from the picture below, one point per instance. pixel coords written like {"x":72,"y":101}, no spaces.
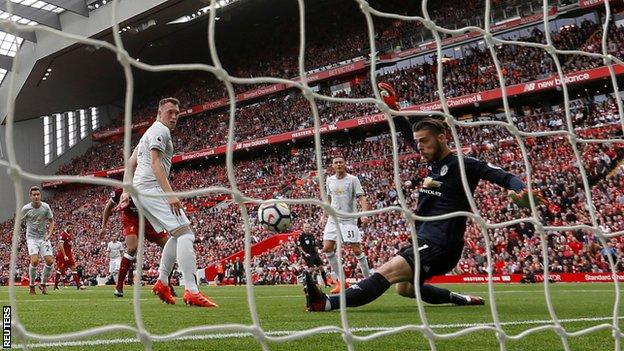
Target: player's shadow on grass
{"x":383,"y":309}
{"x":405,"y":308}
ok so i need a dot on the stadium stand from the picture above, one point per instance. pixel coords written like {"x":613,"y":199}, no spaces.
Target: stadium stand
{"x":289,"y":170}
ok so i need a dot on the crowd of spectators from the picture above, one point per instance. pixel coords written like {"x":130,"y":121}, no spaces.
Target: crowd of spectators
{"x":326,"y":46}
{"x":615,"y":47}
{"x":515,"y":249}
{"x":475,"y":71}
{"x":417,"y":84}
{"x":290,"y":172}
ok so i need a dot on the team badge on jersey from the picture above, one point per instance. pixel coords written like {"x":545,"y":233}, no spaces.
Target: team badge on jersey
{"x":444,"y":170}
{"x":340,"y":191}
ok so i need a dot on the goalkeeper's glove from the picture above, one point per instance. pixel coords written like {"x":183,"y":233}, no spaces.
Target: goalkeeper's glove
{"x":521,"y":199}
{"x":389,"y":96}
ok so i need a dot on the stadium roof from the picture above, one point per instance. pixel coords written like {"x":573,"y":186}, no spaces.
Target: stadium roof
{"x":83,"y":76}
{"x":33,"y":12}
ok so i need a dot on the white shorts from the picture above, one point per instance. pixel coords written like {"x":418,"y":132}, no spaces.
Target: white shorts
{"x":350,"y":232}
{"x":114,"y":264}
{"x":39,"y":247}
{"x":158,"y":212}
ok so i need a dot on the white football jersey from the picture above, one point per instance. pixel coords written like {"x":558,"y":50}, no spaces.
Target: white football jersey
{"x":156,"y":137}
{"x":115,"y":249}
{"x":344,"y":193}
{"x":36,"y":219}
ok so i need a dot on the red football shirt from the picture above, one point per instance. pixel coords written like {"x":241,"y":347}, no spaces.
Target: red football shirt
{"x":66,"y":239}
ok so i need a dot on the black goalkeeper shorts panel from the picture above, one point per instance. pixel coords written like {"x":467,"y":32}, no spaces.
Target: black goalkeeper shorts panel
{"x":313,"y":260}
{"x":434,"y":259}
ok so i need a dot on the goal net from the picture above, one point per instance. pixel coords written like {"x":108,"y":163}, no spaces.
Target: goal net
{"x":520,"y":136}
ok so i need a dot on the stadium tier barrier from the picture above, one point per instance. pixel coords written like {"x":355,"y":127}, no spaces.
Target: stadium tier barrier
{"x":551,"y":82}
{"x":275,"y":139}
{"x":517,"y":278}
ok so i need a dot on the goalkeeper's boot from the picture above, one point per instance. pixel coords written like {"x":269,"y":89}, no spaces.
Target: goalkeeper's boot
{"x":197,"y":299}
{"x":316,"y":300}
{"x":466,"y":300}
{"x":337,"y":287}
{"x":31,"y":290}
{"x":163,"y":292}
{"x":118,"y":293}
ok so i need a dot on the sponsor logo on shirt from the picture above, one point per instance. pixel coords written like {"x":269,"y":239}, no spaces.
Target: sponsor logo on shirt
{"x":430,"y":192}
{"x":430,"y":183}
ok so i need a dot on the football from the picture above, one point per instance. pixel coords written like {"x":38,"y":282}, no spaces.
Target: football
{"x":274,"y":217}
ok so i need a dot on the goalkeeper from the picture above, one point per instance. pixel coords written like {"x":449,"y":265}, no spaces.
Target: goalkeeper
{"x":441,"y":241}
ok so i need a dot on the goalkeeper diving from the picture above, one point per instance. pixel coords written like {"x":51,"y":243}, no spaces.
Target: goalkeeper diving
{"x":440,"y":242}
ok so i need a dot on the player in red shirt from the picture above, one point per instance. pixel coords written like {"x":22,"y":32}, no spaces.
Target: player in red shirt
{"x":130,"y":224}
{"x":65,"y":257}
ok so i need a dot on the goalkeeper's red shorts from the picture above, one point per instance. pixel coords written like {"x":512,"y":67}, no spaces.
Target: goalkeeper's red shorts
{"x":130,"y":223}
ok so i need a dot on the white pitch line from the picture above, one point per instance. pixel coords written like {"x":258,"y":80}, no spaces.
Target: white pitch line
{"x":290,"y":332}
{"x":129,"y":298}
{"x":539,"y":291}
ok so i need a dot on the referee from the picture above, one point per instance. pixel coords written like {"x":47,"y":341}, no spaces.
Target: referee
{"x":309,"y":251}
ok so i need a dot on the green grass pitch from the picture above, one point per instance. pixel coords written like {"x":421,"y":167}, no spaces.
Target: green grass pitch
{"x":281,"y":310}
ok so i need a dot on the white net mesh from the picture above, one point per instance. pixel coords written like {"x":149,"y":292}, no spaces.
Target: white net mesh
{"x":255,"y":329}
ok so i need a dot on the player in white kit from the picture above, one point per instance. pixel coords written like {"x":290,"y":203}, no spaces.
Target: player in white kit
{"x":115,"y":250}
{"x":37,"y":214}
{"x":150,"y":165}
{"x":343,"y":190}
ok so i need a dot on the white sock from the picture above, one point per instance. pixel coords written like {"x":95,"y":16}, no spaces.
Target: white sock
{"x":167,"y":259}
{"x":32,"y":274}
{"x":363,"y":262}
{"x":47,"y":270}
{"x":333,"y":263}
{"x":187,"y":262}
